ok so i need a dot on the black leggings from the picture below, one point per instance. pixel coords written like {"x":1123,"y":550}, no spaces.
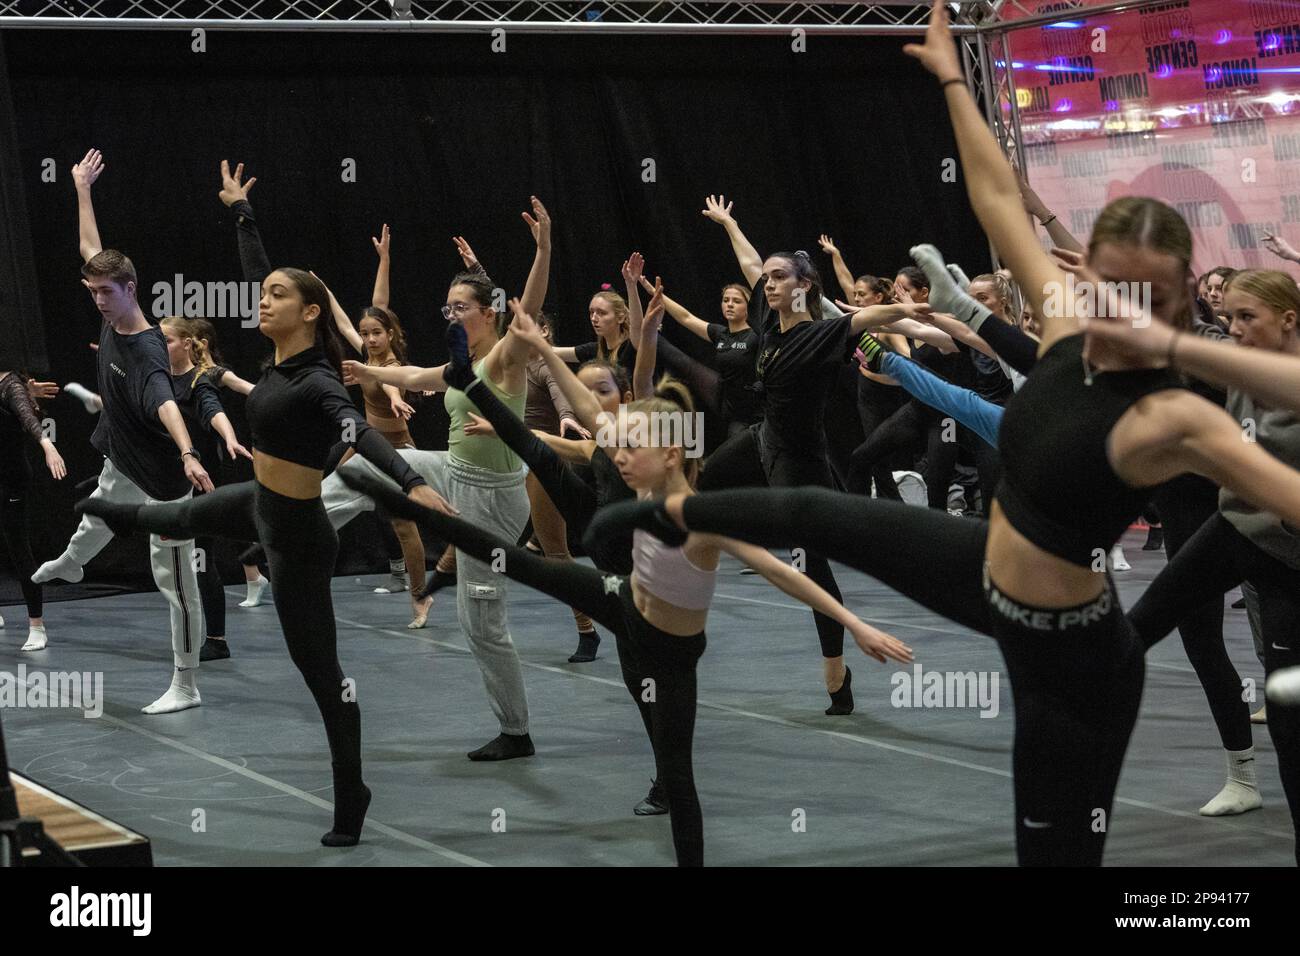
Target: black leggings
{"x":15,"y":488}
{"x":658,"y":668}
{"x":1215,"y":560}
{"x":742,"y":461}
{"x":1185,"y":504}
{"x":301,"y":548}
{"x":876,"y":403}
{"x":1076,"y":690}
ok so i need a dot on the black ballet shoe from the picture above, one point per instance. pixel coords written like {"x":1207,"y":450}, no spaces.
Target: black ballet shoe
{"x":459,"y":371}
{"x":349,"y":816}
{"x":842,"y":699}
{"x":655,"y":803}
{"x":214,"y":650}
{"x":1155,"y":538}
{"x":120,"y":518}
{"x":614,"y":520}
{"x":588,"y":641}
{"x":504,"y":747}
{"x":439,"y":580}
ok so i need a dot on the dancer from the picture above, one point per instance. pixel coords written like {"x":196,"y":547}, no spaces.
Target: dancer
{"x":1081,"y":443}
{"x":20,"y":419}
{"x":658,"y":612}
{"x":795,"y":368}
{"x":148,"y":454}
{"x":196,"y":396}
{"x":378,"y":336}
{"x":483,"y":479}
{"x":297,"y":412}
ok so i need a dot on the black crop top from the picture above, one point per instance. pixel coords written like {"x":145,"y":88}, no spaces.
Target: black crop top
{"x":613,"y":555}
{"x":1058,"y":488}
{"x":299,"y":409}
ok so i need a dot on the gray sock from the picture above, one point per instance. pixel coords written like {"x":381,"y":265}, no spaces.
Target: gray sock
{"x":945,"y":294}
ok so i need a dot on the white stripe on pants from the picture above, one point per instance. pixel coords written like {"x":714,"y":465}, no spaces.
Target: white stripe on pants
{"x":172,"y":562}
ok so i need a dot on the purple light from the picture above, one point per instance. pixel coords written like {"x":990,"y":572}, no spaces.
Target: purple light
{"x":1272,"y":41}
{"x":1214,"y":75}
{"x":1110,"y":105}
{"x":1064,"y":106}
{"x":1222,"y":37}
{"x":1175,"y":34}
{"x":1164,"y":71}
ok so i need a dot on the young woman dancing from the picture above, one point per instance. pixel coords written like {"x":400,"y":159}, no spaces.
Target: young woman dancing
{"x":658,"y":613}
{"x":1082,"y":445}
{"x":378,"y":336}
{"x":483,"y":479}
{"x":194,"y":384}
{"x":20,"y":420}
{"x":297,"y":412}
{"x":798,"y":358}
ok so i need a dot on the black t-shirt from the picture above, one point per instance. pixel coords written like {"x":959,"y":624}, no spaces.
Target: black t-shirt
{"x":624,"y":356}
{"x":135,"y":380}
{"x":991,"y":383}
{"x":737,"y":353}
{"x":199,"y":403}
{"x":797,"y":370}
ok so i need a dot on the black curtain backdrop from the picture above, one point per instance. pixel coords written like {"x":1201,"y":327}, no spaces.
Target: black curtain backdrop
{"x":451,"y":138}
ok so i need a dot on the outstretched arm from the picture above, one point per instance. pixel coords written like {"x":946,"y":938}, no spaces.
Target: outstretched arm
{"x":84,"y":175}
{"x":410,"y":378}
{"x":643,"y":385}
{"x":1061,"y":236}
{"x":680,"y":314}
{"x":344,"y":323}
{"x":632,"y":273}
{"x":751,"y":263}
{"x":252,"y":254}
{"x":580,"y":398}
{"x":539,"y":277}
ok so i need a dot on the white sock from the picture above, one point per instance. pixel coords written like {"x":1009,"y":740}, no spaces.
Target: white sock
{"x":62,"y":567}
{"x":36,"y":638}
{"x":85,"y":396}
{"x":1241,"y":792}
{"x":255,"y":589}
{"x":397,"y":582}
{"x":959,"y":274}
{"x":1117,"y":560}
{"x":182,"y":695}
{"x":2,"y":622}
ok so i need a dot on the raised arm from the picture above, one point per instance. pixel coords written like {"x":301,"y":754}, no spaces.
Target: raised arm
{"x":643,"y":385}
{"x":539,"y":277}
{"x":680,"y":314}
{"x":1060,"y":236}
{"x":234,"y":193}
{"x":584,"y":403}
{"x":84,"y":175}
{"x":343,"y":322}
{"x":991,"y":183}
{"x":751,"y":263}
{"x":379,"y":297}
{"x":842,"y":273}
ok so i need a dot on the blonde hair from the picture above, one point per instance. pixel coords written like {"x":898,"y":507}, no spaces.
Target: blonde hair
{"x":1274,"y":288}
{"x":198,"y":350}
{"x":671,"y":397}
{"x":1144,"y":222}
{"x":619,"y":306}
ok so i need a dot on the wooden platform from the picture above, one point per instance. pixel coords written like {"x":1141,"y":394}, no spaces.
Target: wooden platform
{"x":91,"y":838}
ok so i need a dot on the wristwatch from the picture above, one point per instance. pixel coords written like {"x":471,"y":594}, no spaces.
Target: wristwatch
{"x":194,"y":452}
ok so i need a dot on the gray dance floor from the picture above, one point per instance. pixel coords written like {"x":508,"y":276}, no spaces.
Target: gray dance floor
{"x":780,"y":783}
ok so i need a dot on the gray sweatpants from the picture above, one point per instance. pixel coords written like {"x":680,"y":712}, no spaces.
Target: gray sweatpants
{"x":172,"y":562}
{"x":490,"y":500}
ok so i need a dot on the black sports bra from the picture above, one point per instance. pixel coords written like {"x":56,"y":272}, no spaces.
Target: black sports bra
{"x":1058,"y":488}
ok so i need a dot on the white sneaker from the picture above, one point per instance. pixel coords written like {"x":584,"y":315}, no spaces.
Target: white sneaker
{"x":36,"y":638}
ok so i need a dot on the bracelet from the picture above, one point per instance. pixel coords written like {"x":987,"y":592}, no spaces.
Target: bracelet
{"x":950,"y":82}
{"x":1048,"y":219}
{"x":1173,"y":344}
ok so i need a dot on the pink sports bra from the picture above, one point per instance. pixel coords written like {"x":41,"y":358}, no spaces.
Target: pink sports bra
{"x":669,"y":575}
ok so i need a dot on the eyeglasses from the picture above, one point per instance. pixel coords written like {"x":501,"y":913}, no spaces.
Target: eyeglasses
{"x":458,"y":310}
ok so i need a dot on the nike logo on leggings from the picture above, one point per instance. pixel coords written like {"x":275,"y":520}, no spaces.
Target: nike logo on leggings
{"x":1034,"y":824}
